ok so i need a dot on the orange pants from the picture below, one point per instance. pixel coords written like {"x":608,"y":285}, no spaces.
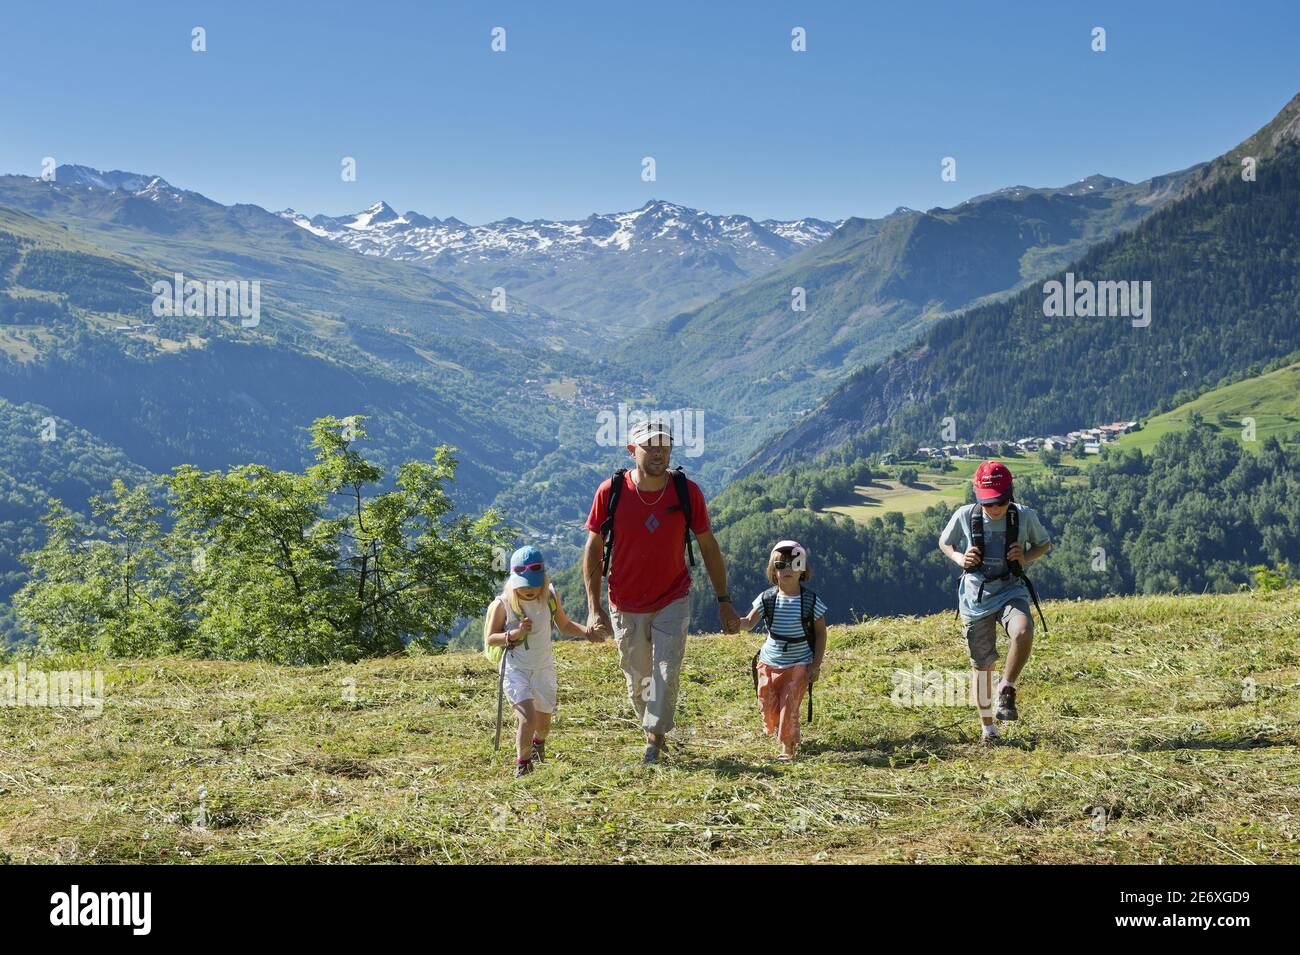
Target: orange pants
{"x":780,"y":692}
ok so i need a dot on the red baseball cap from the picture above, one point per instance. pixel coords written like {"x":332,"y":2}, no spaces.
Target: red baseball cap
{"x":992,"y":483}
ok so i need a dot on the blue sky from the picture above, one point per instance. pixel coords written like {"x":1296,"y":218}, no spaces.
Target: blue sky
{"x":556,"y":127}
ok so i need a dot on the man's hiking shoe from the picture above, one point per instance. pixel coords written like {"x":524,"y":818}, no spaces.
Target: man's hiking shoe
{"x":651,"y":755}
{"x":990,"y":737}
{"x":1006,"y":709}
{"x":523,"y":769}
{"x":539,"y":751}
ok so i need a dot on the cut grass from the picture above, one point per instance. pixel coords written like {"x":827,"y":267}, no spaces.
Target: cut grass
{"x":1135,"y":745}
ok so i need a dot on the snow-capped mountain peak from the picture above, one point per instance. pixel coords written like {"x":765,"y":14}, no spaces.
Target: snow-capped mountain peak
{"x":378,"y":214}
{"x":114,"y":181}
{"x":130,"y":184}
{"x":656,"y":226}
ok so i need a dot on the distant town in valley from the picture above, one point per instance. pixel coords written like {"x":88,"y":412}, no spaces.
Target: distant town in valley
{"x":1085,"y":441}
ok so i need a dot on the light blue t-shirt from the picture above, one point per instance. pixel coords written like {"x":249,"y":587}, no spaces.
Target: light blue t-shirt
{"x":786,"y":623}
{"x":997,"y":593}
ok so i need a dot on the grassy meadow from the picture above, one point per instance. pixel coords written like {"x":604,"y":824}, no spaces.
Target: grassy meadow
{"x":1153,"y":729}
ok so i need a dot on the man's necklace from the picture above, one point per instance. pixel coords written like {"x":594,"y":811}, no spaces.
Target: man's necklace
{"x":637,"y":488}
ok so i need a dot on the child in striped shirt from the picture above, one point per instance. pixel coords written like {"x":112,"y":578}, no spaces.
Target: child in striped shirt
{"x":790,"y":660}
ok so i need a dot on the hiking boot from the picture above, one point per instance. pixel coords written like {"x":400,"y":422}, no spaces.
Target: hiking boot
{"x":1006,"y":709}
{"x":651,"y":755}
{"x":523,"y":769}
{"x":539,"y":751}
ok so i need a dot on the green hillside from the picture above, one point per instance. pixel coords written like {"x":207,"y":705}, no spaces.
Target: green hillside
{"x":873,"y":287}
{"x":339,"y":329}
{"x":1135,"y":745}
{"x":79,"y":343}
{"x":205,"y":391}
{"x":319,"y":287}
{"x":1272,"y":399}
{"x":1221,"y":263}
{"x":885,"y":495}
{"x":429,"y":360}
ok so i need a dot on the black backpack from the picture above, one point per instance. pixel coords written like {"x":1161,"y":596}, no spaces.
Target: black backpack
{"x":615,"y":491}
{"x":1013,"y":566}
{"x":807,"y":604}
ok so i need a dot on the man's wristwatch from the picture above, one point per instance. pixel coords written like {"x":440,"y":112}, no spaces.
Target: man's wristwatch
{"x":724,"y":598}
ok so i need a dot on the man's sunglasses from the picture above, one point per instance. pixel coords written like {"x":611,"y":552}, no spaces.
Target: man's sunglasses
{"x":528,"y":568}
{"x":783,"y":564}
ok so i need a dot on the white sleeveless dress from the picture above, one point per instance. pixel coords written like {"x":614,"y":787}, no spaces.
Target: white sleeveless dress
{"x":530,"y":671}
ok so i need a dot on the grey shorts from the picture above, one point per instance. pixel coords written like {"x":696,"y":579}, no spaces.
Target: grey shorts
{"x":982,"y":635}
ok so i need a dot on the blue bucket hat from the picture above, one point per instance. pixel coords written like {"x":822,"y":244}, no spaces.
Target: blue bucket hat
{"x":527,"y":567}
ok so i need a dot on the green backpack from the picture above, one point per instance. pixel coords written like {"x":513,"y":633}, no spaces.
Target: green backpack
{"x":493,"y":652}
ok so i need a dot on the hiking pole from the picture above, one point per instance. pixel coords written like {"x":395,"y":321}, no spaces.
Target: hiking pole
{"x":501,"y":687}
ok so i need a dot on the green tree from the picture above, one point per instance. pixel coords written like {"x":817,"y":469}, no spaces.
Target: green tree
{"x":290,"y":567}
{"x":303,"y":568}
{"x":112,"y":588}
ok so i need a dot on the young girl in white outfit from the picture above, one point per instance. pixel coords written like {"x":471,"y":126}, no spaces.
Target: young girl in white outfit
{"x":520,"y":621}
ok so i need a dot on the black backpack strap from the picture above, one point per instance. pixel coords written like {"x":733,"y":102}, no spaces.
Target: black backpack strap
{"x":1010,"y":537}
{"x":769,"y":608}
{"x":977,"y":540}
{"x":769,"y":616}
{"x":807,"y":604}
{"x":1033,"y":595}
{"x":806,"y":608}
{"x":1013,"y":536}
{"x":607,"y":526}
{"x":683,"y":489}
{"x":977,"y":528}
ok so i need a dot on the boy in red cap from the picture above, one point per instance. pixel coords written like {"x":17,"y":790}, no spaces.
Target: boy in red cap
{"x":991,"y":541}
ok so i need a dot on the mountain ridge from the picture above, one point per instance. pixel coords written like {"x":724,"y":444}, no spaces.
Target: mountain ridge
{"x":870,"y":289}
{"x":1219,"y":223}
{"x":575,"y":235}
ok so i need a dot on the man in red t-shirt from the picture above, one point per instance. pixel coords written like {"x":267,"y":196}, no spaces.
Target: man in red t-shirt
{"x":649,"y":581}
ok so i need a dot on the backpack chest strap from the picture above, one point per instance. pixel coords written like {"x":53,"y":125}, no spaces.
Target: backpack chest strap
{"x":807,"y":603}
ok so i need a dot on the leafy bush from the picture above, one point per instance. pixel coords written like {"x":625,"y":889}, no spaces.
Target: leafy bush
{"x":297,"y":568}
{"x":1266,"y":578}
